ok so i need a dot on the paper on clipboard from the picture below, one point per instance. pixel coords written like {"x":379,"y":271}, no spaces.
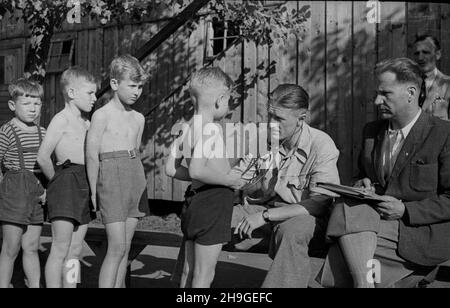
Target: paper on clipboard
{"x":334,"y":190}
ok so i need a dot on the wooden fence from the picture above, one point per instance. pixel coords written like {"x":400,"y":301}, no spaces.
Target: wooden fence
{"x":333,"y":60}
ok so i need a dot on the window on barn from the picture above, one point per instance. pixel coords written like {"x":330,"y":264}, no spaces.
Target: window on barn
{"x":220,"y":36}
{"x":273,"y":4}
{"x":61,"y":54}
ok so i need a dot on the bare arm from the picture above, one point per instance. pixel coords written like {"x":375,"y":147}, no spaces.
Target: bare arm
{"x":200,"y":170}
{"x":54,"y":134}
{"x":175,"y":158}
{"x":141,"y":121}
{"x":94,"y":138}
{"x":173,"y":164}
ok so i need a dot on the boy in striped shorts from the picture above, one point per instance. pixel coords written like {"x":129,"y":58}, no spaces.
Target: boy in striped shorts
{"x":21,"y":190}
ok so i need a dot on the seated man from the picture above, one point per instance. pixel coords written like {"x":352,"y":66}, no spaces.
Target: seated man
{"x":406,"y":159}
{"x":427,"y":51}
{"x":297,"y":216}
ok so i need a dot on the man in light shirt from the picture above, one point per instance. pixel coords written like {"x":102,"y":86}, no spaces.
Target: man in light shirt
{"x":427,"y":52}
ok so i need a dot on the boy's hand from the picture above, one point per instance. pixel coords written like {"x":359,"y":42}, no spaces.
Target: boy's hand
{"x":94,"y":203}
{"x":43,"y":198}
{"x":235,"y":180}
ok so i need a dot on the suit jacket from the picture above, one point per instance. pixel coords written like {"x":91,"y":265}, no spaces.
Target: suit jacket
{"x":421,"y":179}
{"x":440,"y":88}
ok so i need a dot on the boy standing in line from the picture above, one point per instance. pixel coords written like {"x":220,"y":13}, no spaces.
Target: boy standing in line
{"x":21,"y":190}
{"x":115,"y":172}
{"x":68,"y":197}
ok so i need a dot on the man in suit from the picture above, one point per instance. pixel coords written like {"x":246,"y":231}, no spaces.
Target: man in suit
{"x":405,"y":159}
{"x":427,"y":51}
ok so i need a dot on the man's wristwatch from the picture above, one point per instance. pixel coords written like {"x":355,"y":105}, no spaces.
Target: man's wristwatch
{"x":265,"y":215}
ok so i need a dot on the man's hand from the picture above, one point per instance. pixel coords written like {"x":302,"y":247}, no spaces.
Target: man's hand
{"x":391,"y":208}
{"x":366,"y":184}
{"x":248,"y":224}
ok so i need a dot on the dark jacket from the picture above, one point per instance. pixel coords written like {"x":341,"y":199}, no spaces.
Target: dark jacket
{"x":421,"y":179}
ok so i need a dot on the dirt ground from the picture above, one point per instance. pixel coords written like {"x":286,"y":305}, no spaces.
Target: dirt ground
{"x":169,"y":223}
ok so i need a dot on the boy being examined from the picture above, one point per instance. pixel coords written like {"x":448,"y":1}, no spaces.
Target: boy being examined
{"x":21,"y":190}
{"x":206,"y":218}
{"x":68,"y":197}
{"x":115,"y":172}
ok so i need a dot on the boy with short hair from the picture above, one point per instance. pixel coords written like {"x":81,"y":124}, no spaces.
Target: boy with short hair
{"x":206,"y":218}
{"x":115,"y":172}
{"x":68,"y":197}
{"x":21,"y":190}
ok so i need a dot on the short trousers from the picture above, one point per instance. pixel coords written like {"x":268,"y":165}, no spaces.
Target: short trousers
{"x":19,"y":198}
{"x":121,"y":187}
{"x":207,"y":213}
{"x":68,"y":195}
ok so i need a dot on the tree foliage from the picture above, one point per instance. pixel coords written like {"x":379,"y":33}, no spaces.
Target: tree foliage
{"x":256,"y":21}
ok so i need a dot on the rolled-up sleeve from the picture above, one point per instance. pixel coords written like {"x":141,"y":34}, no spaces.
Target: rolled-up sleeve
{"x":325,"y":167}
{"x":324,"y":170}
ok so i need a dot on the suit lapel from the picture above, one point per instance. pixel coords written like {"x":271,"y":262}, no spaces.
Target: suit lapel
{"x":412,"y":143}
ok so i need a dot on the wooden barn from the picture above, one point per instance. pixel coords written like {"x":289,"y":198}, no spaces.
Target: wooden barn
{"x":333,"y":60}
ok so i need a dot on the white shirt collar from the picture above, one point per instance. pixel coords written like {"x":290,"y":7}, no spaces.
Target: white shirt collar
{"x":407,"y":129}
{"x":432,"y":74}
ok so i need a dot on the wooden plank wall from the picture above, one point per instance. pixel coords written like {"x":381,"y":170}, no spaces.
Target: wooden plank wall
{"x":333,"y":60}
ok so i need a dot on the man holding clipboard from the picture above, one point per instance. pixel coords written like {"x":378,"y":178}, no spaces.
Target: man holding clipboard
{"x":405,"y":160}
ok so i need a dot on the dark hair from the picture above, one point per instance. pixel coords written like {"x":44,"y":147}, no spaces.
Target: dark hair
{"x":290,"y":96}
{"x":405,"y":70}
{"x":420,"y":38}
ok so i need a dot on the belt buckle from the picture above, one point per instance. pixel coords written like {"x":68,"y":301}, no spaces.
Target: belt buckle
{"x":132,"y":153}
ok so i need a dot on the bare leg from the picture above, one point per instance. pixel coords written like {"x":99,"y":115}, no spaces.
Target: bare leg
{"x":116,"y":234}
{"x":188,"y":265}
{"x":205,"y":265}
{"x":30,"y":258}
{"x":74,"y":255}
{"x":61,"y":238}
{"x":12,"y":235}
{"x":358,"y":249}
{"x":131,"y":225}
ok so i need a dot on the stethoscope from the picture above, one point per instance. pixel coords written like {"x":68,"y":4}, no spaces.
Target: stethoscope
{"x":261,"y":173}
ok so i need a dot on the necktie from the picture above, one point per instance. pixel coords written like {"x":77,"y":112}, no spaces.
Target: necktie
{"x":390,"y":150}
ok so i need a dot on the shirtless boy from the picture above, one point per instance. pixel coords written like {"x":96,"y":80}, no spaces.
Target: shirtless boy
{"x":206,"y":218}
{"x":68,"y":196}
{"x":115,"y":172}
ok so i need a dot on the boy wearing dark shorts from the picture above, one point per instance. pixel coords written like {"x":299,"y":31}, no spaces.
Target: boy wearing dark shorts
{"x":68,"y":195}
{"x":21,"y":189}
{"x":206,"y":217}
{"x":115,"y":171}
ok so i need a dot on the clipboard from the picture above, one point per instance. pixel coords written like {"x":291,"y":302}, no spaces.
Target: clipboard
{"x":348,"y":191}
